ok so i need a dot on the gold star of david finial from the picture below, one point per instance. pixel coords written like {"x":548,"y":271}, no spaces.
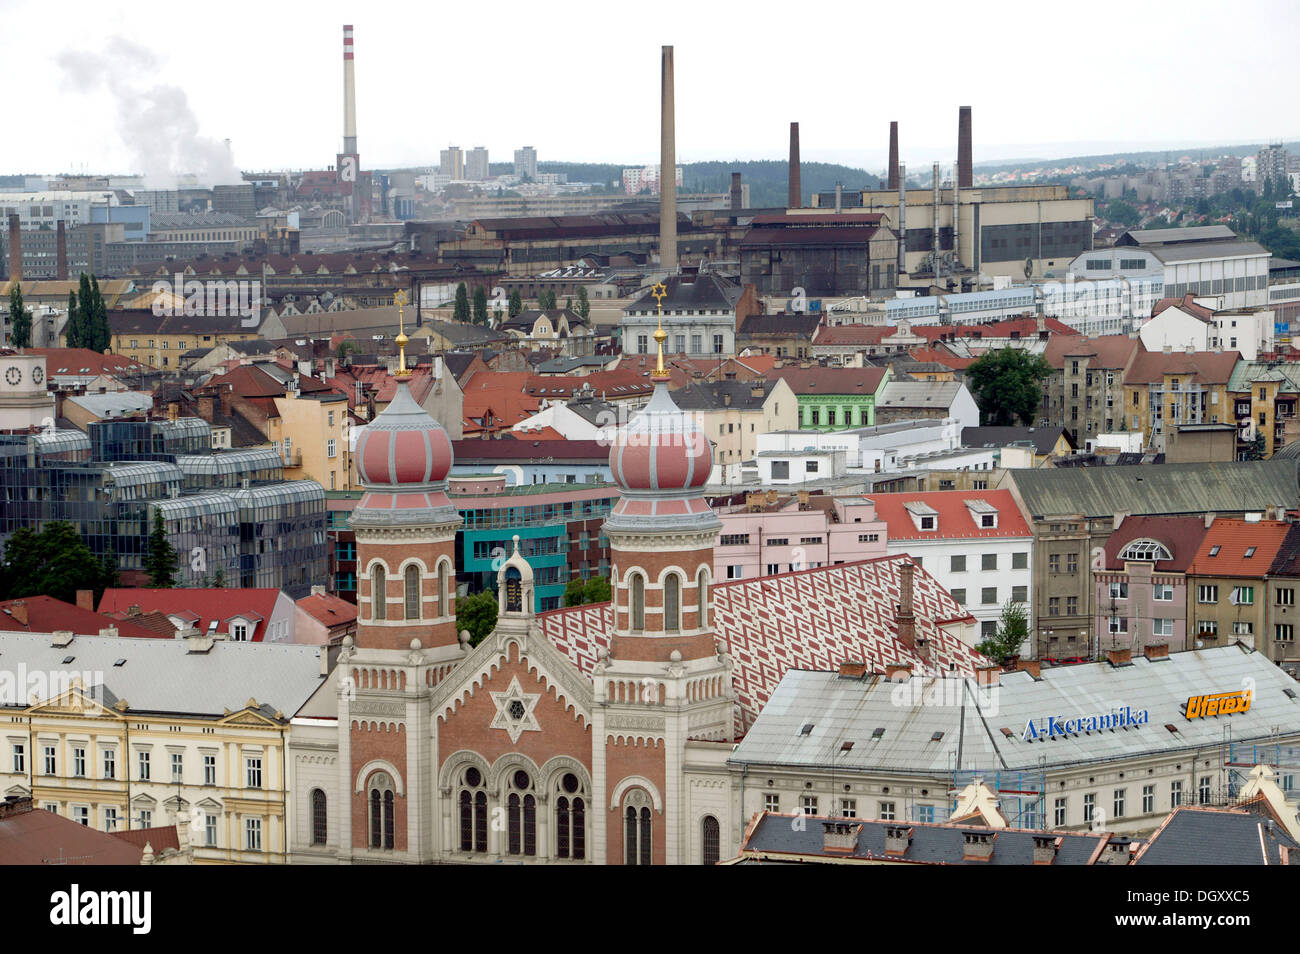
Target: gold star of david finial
{"x":399,"y":299}
{"x":659,"y":292}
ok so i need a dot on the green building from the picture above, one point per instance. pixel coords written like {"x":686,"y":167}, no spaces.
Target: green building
{"x":835,"y":399}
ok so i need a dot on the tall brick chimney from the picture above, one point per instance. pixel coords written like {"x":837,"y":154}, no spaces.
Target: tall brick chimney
{"x":964,"y":173}
{"x":795,"y":199}
{"x":735,"y":192}
{"x":893,"y":156}
{"x":15,"y":248}
{"x":61,"y":253}
{"x":906,"y":615}
{"x":667,"y":166}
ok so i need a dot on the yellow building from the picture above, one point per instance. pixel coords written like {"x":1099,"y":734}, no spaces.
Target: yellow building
{"x":1165,"y":389}
{"x":311,"y":432}
{"x":160,"y":341}
{"x":120,"y":733}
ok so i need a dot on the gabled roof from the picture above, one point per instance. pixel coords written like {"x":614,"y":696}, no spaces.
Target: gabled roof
{"x":1186,"y":304}
{"x":1224,"y":548}
{"x":718,"y":395}
{"x":327,"y":609}
{"x":1107,"y":352}
{"x":830,"y":381}
{"x":203,"y":606}
{"x":795,"y":325}
{"x":81,"y":361}
{"x":1150,"y":237}
{"x":37,"y":837}
{"x":953,"y":509}
{"x":809,"y":618}
{"x":1204,"y":835}
{"x":1043,"y":439}
{"x":45,"y":614}
{"x":1208,"y":367}
{"x":691,"y":293}
{"x":919,"y":394}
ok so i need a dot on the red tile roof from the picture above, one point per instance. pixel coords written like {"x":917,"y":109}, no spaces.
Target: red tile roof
{"x":202,"y":607}
{"x":941,"y":355}
{"x":1111,"y":351}
{"x":1185,"y":304}
{"x":1023,"y":327}
{"x":159,"y":839}
{"x":819,"y":380}
{"x":1180,"y":535}
{"x":809,"y":619}
{"x":85,"y":361}
{"x":1233,"y":539}
{"x":327,"y":609}
{"x":853,"y":334}
{"x":1207,"y":367}
{"x":955,"y":519}
{"x":37,"y":837}
{"x":45,"y":614}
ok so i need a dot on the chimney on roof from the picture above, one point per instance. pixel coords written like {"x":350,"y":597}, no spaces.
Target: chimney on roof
{"x":840,"y":836}
{"x":1118,"y":851}
{"x":988,"y":676}
{"x":893,"y":156}
{"x":86,"y":600}
{"x":667,"y":167}
{"x":898,"y":838}
{"x":794,"y":198}
{"x":15,"y":805}
{"x":1119,"y":657}
{"x":108,"y":631}
{"x":965,"y":171}
{"x":15,"y":248}
{"x":905,"y":615}
{"x":62,"y":638}
{"x":61,"y":252}
{"x":1031,"y":666}
{"x":1156,"y":650}
{"x":853,"y":669}
{"x":1045,"y":848}
{"x":977,"y":844}
{"x":896,"y":669}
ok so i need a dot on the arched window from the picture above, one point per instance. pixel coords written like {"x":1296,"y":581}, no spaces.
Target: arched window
{"x":638,"y":602}
{"x":379,"y":593}
{"x":711,"y":839}
{"x":571,"y":818}
{"x":672,"y":603}
{"x":637,"y":828}
{"x":445,"y":580}
{"x":702,"y":596}
{"x":473,"y":812}
{"x":412,"y":592}
{"x":521,"y":811}
{"x":1152,"y":550}
{"x":319,"y":826}
{"x":381,"y":811}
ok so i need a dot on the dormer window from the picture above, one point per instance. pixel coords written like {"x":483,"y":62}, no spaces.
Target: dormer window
{"x":988,"y":520}
{"x":927,"y":523}
{"x":1146,"y":551}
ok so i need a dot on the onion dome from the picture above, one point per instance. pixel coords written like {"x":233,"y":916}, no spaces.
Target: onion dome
{"x":403,"y":446}
{"x":661,"y":450}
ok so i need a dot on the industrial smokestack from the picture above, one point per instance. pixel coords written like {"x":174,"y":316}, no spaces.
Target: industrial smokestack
{"x":934,"y":223}
{"x":667,"y":168}
{"x":735,"y":192}
{"x":893,"y":155}
{"x":839,"y":198}
{"x":349,"y":96}
{"x":61,"y":253}
{"x":964,"y":170}
{"x":15,"y":248}
{"x":795,"y":200}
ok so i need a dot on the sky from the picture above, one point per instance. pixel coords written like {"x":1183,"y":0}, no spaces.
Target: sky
{"x":157,"y":87}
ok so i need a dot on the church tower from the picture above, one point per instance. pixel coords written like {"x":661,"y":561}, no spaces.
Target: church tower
{"x":664,"y":679}
{"x":406,"y":639}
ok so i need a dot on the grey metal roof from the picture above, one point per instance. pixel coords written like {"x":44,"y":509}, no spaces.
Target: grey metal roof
{"x":1219,"y":487}
{"x":113,"y":402}
{"x":1198,"y":233}
{"x":1195,"y":251}
{"x":919,"y":394}
{"x":162,"y":675}
{"x":969,"y":720}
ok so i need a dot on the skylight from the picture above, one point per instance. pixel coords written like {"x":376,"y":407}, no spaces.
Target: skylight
{"x":1214,"y":550}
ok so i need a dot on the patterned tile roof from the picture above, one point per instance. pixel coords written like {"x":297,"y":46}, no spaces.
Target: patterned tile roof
{"x":809,"y":619}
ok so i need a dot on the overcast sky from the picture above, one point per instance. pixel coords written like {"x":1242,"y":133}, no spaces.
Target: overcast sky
{"x":160,"y":85}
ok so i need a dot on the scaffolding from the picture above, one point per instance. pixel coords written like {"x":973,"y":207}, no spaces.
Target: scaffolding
{"x":1241,"y":757}
{"x":1022,"y":795}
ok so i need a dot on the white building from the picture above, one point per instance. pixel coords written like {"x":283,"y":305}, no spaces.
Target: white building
{"x":975,"y":543}
{"x":1194,"y":323}
{"x":634,"y":180}
{"x":884,"y":448}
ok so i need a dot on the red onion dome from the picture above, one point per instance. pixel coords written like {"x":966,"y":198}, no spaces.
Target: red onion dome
{"x":661,"y":449}
{"x":403,"y":446}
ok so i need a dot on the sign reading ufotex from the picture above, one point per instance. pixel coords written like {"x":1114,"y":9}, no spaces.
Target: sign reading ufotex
{"x":1217,"y":704}
{"x":1052,"y":726}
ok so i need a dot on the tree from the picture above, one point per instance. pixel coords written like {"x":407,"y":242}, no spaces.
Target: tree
{"x":478,"y":614}
{"x":584,"y":305}
{"x":1122,"y":214}
{"x":480,"y":306}
{"x":1012,"y":631}
{"x":54,"y":562}
{"x":1256,"y":446}
{"x":160,"y":557}
{"x":597,"y":590}
{"x":344,"y":349}
{"x":546,"y":299}
{"x":1007,"y":386}
{"x":98,"y":333}
{"x":20,"y":318}
{"x":76,"y":331}
{"x":574,"y":591}
{"x":461,"y":310}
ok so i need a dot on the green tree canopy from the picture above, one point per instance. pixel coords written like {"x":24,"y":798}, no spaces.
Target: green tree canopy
{"x":20,"y":319}
{"x":53,"y":562}
{"x":573,"y":591}
{"x":461,"y":310}
{"x":597,"y":590}
{"x":478,"y":614}
{"x":480,"y":306}
{"x":584,"y":305}
{"x":1119,"y":212}
{"x":516,"y":306}
{"x":160,"y":559}
{"x":1012,"y":631}
{"x":1007,"y":386}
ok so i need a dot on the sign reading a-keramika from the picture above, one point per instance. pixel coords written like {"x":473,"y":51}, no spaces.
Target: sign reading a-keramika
{"x":1219,"y":703}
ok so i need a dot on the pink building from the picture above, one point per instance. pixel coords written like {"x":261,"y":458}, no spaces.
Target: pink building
{"x":772,"y":534}
{"x":1140,"y":582}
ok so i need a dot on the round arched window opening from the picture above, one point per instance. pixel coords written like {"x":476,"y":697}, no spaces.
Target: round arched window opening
{"x":570,"y":783}
{"x":473,"y":777}
{"x":521,"y":780}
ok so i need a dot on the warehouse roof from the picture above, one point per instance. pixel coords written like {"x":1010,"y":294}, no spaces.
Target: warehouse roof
{"x":1213,"y":487}
{"x":930,"y":724}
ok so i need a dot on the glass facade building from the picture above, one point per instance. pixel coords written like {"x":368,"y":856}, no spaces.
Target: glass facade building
{"x":227,"y":513}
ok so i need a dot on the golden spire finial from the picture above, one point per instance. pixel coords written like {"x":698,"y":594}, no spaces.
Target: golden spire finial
{"x":660,"y":292}
{"x":399,"y":299}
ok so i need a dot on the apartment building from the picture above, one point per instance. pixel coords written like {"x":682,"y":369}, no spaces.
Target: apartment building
{"x":1085,"y":393}
{"x":772,"y":533}
{"x":1228,"y":582}
{"x":1166,"y":389}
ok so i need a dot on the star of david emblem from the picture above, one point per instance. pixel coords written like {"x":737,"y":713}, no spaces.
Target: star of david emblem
{"x":515,"y":710}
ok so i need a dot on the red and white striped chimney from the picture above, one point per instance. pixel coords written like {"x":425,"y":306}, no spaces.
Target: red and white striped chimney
{"x":349,"y":96}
